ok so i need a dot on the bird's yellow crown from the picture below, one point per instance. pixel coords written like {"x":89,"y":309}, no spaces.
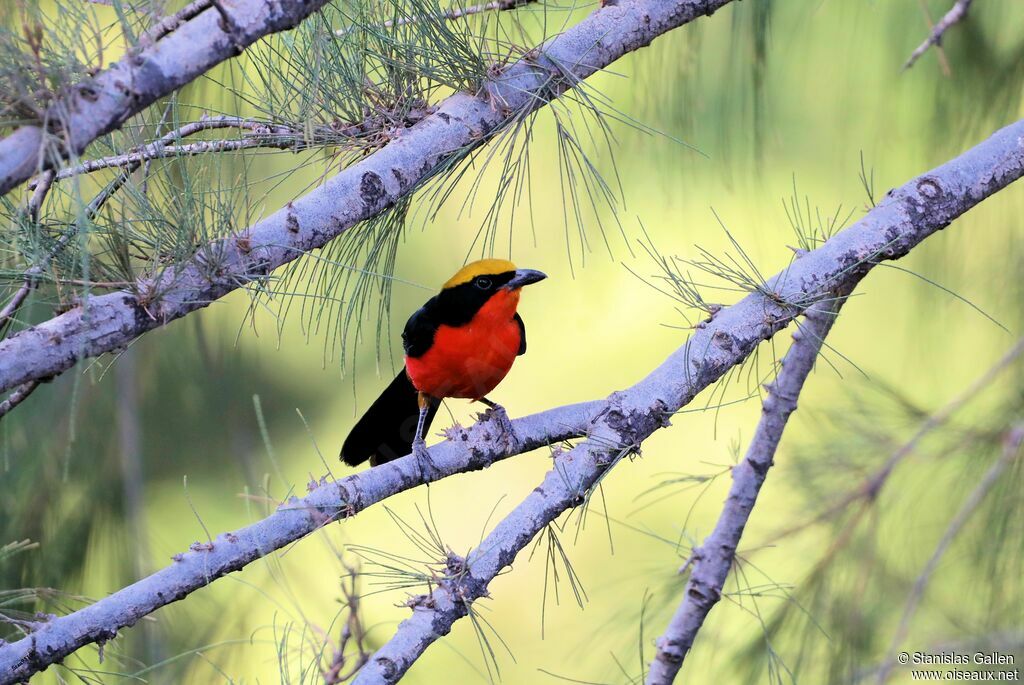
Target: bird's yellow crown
{"x":483,"y":267}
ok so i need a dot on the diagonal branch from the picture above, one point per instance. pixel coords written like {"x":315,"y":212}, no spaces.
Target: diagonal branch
{"x":468,"y":450}
{"x":179,"y":50}
{"x":712,"y":561}
{"x":895,"y":226}
{"x":19,"y":395}
{"x":359,"y":192}
{"x":956,"y":14}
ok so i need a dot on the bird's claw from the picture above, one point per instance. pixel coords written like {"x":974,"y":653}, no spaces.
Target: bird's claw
{"x":499,"y":417}
{"x":425,"y":464}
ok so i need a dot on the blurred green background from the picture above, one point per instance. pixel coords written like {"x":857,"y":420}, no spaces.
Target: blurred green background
{"x":120,"y":464}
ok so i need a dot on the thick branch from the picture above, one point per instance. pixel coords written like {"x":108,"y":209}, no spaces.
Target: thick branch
{"x":954,"y":16}
{"x":467,"y":450}
{"x":904,"y":218}
{"x":112,"y":321}
{"x":713,"y":560}
{"x":185,"y":48}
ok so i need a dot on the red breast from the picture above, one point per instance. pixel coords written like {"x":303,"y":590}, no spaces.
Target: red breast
{"x":468,"y":361}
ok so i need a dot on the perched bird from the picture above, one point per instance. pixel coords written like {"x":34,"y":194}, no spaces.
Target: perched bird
{"x":461,"y":343}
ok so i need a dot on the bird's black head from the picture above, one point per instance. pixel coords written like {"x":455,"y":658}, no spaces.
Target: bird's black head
{"x":473,"y":285}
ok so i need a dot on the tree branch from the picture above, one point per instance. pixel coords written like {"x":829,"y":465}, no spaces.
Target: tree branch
{"x":955,"y":15}
{"x":262,"y":134}
{"x":17,"y":397}
{"x":466,"y":450}
{"x":361,"y":191}
{"x":904,"y":218}
{"x":343,"y":666}
{"x":712,"y":561}
{"x":180,"y":49}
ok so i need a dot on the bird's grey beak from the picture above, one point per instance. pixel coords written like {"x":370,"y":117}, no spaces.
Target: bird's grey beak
{"x":525,"y":277}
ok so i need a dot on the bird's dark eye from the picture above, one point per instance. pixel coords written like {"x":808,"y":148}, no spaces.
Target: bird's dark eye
{"x":483,"y":283}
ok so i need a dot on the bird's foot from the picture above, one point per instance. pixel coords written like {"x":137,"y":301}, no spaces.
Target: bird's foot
{"x":498,"y":417}
{"x":428,"y":470}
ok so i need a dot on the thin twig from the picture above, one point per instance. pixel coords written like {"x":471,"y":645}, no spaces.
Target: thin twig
{"x":42,"y":187}
{"x":1011,"y":450}
{"x":713,"y":560}
{"x":17,"y":397}
{"x":450,"y":15}
{"x":290,"y":142}
{"x":263,"y":135}
{"x":939,"y":50}
{"x":341,"y":669}
{"x":172,"y":22}
{"x":955,"y":15}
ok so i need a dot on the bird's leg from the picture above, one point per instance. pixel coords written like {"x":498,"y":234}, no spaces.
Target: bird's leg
{"x":419,"y":444}
{"x":496,"y":413}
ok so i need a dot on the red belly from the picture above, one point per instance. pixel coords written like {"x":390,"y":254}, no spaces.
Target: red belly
{"x":470,"y":360}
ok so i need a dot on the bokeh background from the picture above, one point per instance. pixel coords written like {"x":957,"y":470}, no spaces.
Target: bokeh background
{"x":204,"y":426}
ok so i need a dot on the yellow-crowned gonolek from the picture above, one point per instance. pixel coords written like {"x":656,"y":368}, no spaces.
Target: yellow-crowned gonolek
{"x":461,"y":343}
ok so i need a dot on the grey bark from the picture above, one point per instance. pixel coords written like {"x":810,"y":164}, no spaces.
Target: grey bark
{"x":711,"y":562}
{"x":956,"y":14}
{"x":109,"y":322}
{"x":466,"y":450}
{"x":99,"y":105}
{"x":257,"y":134}
{"x":904,"y":218}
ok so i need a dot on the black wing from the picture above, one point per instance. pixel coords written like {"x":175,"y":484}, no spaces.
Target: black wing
{"x":387,"y":429}
{"x":522,"y":334}
{"x":419,"y":331}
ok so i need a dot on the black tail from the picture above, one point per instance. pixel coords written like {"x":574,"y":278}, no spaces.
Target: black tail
{"x":388,"y":427}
